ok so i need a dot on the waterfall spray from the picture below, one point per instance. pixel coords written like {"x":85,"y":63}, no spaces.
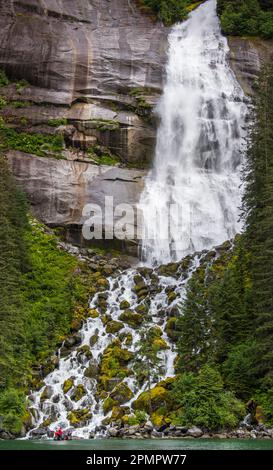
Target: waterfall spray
{"x":192,"y":194}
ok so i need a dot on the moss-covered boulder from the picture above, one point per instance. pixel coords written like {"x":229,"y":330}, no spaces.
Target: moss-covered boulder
{"x":167,"y":383}
{"x":124,"y":305}
{"x":92,"y":370}
{"x":47,"y":393}
{"x":47,"y":422}
{"x":94,"y":339}
{"x":155,"y":332}
{"x":144,"y":271}
{"x":68,"y":384}
{"x":93,"y":313}
{"x":159,"y":419}
{"x":160,"y":344}
{"x":122,"y":393}
{"x":132,"y":319}
{"x":103,"y":283}
{"x":171,"y":328}
{"x":114,"y":351}
{"x":107,"y":384}
{"x":151,"y":400}
{"x":170,"y":269}
{"x":113,"y":364}
{"x":78,"y":393}
{"x":108,"y":405}
{"x":118,"y":412}
{"x":114,"y":326}
{"x":80,"y":417}
{"x":142,"y":309}
{"x":106,"y":318}
{"x":84,"y":351}
{"x":172,"y":296}
{"x":126,"y":337}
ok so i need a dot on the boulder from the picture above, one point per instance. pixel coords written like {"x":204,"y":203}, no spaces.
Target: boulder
{"x":68,"y":384}
{"x":47,"y":393}
{"x":124,"y":305}
{"x":121,"y":393}
{"x":92,"y":370}
{"x":194,"y":432}
{"x":79,"y":417}
{"x":78,"y":393}
{"x":156,"y":398}
{"x":38,"y":433}
{"x":132,"y":319}
{"x":114,"y":326}
{"x":113,"y":432}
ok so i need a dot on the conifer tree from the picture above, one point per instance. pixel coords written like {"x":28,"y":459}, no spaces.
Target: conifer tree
{"x":258,"y":210}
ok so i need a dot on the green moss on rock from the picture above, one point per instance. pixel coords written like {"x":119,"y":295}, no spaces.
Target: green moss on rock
{"x":68,"y":384}
{"x":121,"y":393}
{"x":114,"y":326}
{"x":132,"y":319}
{"x":93,"y":313}
{"x":108,"y":405}
{"x":78,"y":393}
{"x":80,"y":417}
{"x":152,"y":400}
{"x":171,"y":329}
{"x":160,"y":344}
{"x":84,"y":351}
{"x":124,"y":305}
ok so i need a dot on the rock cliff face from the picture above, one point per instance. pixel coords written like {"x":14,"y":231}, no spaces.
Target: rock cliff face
{"x":246,"y":58}
{"x":101,"y":52}
{"x":97,"y":66}
{"x":58,"y":190}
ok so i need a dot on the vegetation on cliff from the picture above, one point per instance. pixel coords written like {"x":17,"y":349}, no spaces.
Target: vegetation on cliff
{"x":40,"y":286}
{"x":169,"y":11}
{"x":247,"y":17}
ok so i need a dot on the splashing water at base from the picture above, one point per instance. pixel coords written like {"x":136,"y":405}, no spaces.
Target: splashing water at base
{"x":192,"y":194}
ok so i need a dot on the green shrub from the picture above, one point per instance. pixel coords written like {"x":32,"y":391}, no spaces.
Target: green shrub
{"x":57,"y":122}
{"x":3,"y":102}
{"x":37,"y":144}
{"x":246,"y":18}
{"x":169,"y":11}
{"x":138,"y":417}
{"x":20,"y":104}
{"x":21,"y":85}
{"x":201,"y":400}
{"x":4,"y":81}
{"x":12,"y":409}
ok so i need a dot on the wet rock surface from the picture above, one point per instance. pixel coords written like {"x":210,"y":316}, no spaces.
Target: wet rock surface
{"x":109,"y":58}
{"x":246,"y":58}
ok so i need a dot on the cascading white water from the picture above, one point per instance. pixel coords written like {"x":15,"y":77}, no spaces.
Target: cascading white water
{"x":54,"y":404}
{"x":192,"y":194}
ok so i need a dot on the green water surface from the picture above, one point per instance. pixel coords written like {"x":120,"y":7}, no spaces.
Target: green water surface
{"x":135,"y":444}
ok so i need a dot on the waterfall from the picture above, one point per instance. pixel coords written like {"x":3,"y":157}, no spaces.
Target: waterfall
{"x":192,"y":194}
{"x":190,"y":204}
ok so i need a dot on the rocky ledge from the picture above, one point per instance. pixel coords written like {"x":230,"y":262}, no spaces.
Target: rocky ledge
{"x":148,"y":431}
{"x":58,"y":190}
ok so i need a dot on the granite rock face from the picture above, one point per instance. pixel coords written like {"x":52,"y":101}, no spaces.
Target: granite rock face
{"x":246,"y":58}
{"x":58,"y":190}
{"x":99,"y":65}
{"x":103,"y":52}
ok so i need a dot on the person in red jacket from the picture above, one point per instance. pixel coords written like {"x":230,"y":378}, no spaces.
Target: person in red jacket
{"x":59,"y":434}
